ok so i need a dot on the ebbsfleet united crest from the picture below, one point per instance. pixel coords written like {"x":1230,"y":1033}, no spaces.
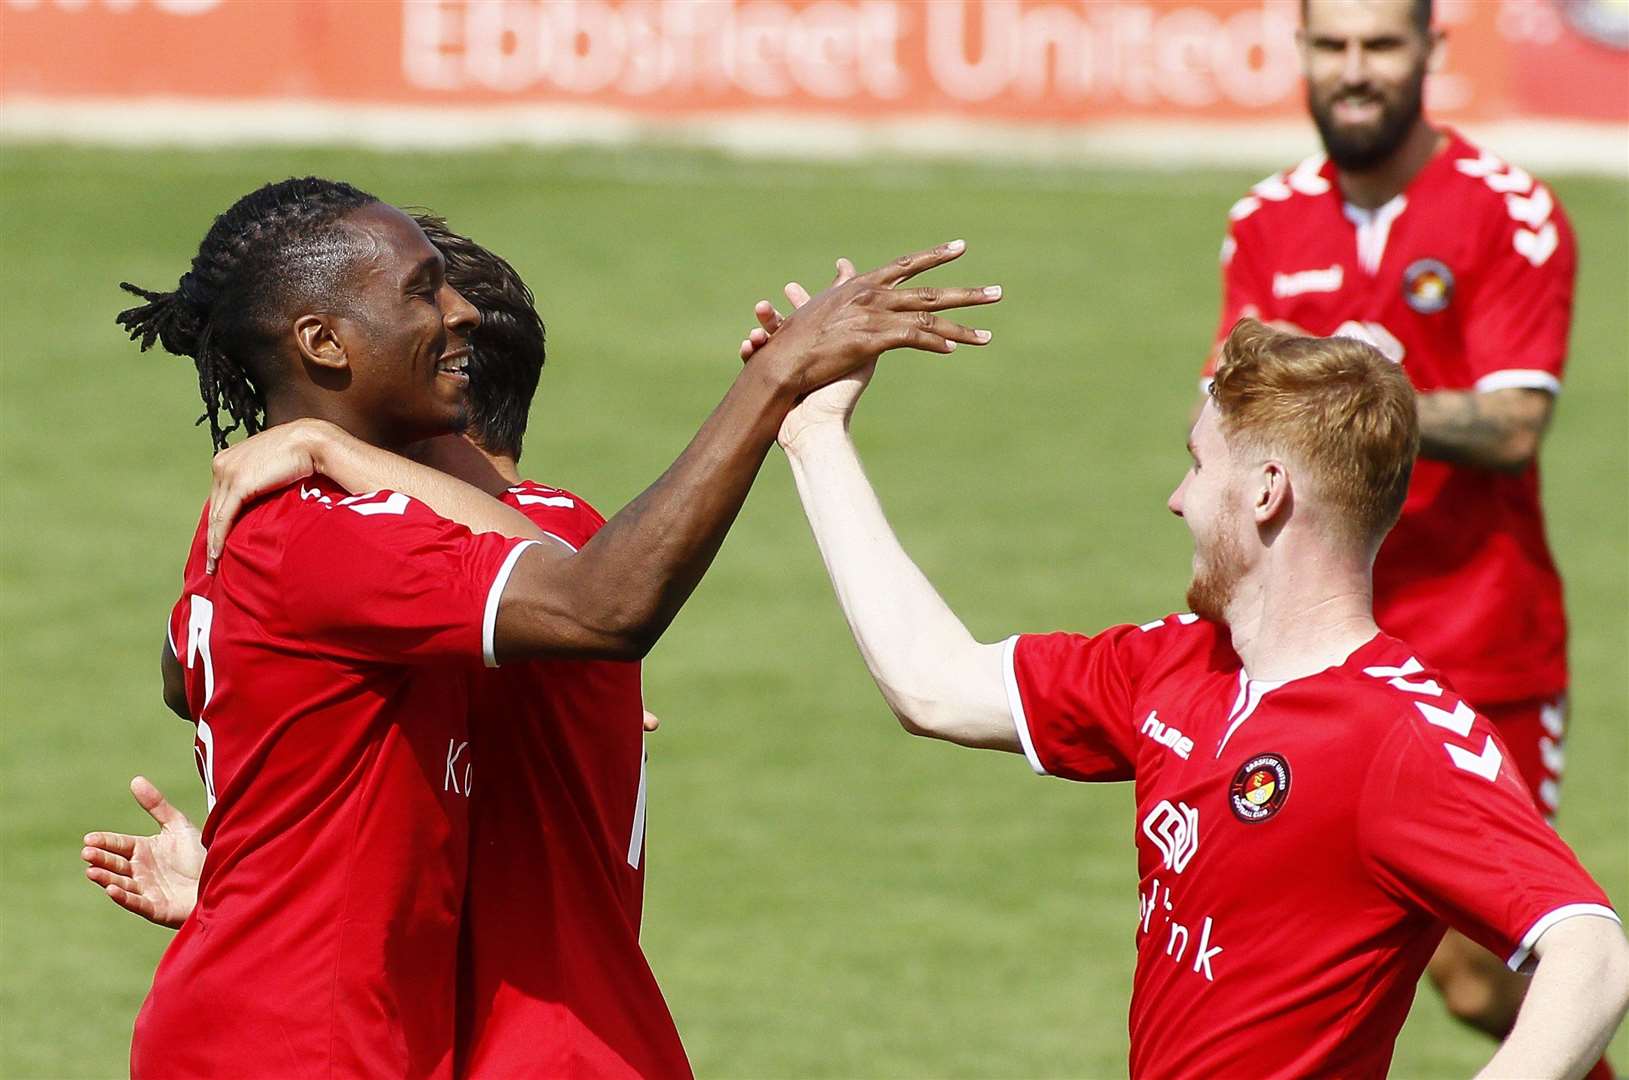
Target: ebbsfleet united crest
{"x":1260,"y":787}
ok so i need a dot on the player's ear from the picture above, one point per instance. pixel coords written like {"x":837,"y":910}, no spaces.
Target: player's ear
{"x":319,"y":342}
{"x":1438,"y":46}
{"x":1272,"y":497}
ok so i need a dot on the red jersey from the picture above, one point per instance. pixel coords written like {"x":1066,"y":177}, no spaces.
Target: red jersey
{"x":1300,"y":845}
{"x":554,"y":982}
{"x":1466,"y":277}
{"x":327,"y":665}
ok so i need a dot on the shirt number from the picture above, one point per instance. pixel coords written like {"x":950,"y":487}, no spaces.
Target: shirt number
{"x":200,"y":620}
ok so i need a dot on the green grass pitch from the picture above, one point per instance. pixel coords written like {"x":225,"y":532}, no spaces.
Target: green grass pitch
{"x":827,"y":897}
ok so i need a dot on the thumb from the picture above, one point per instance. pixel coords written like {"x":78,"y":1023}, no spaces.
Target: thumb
{"x":157,"y":806}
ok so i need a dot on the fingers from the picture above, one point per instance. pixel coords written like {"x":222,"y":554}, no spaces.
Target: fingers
{"x":652,"y":722}
{"x":908,"y":266}
{"x":931,"y":299}
{"x":223,"y":509}
{"x":132,"y":902}
{"x":106,"y":861}
{"x":104,"y":877}
{"x":157,"y":806}
{"x":845,"y":272}
{"x":117,"y":844}
{"x":946,"y":330}
{"x":768,"y":317}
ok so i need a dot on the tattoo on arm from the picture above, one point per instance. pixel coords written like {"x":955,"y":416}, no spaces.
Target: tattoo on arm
{"x":1500,"y":429}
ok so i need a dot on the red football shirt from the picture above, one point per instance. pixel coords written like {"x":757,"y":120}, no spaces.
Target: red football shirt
{"x":327,"y":663}
{"x":554,"y":982}
{"x":1467,"y":279}
{"x":1300,"y":845}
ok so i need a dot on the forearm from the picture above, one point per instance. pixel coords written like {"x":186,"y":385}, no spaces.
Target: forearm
{"x":1498,"y":430}
{"x":937,"y":679}
{"x":357,"y":467}
{"x":1575,"y":1003}
{"x":618,"y":594}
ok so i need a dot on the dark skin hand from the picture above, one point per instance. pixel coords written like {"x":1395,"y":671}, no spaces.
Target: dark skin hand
{"x":616,"y":596}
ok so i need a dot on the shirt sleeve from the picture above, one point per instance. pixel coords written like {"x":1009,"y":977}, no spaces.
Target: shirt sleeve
{"x":382,"y":578}
{"x":1244,"y":291}
{"x":1448,"y":827}
{"x":1071,"y":699}
{"x":1519,"y":310}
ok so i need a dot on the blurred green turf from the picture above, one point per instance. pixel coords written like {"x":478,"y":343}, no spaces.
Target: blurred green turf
{"x":827,"y":897}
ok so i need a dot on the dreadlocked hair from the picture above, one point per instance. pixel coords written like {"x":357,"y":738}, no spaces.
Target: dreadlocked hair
{"x":508,"y":346}
{"x":275,"y":246}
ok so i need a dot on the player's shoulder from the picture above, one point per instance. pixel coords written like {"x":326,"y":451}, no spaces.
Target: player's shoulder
{"x":1487,"y":181}
{"x":1180,"y":640}
{"x":556,"y":510}
{"x":1409,"y":709}
{"x":1284,"y":194}
{"x":1513,"y":210}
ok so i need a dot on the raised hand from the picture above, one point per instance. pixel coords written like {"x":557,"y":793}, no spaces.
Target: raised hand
{"x":858,"y":318}
{"x":833,"y":402}
{"x":154,"y":876}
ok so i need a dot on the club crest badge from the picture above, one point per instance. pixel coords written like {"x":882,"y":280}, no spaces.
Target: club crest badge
{"x":1260,"y":787}
{"x":1428,"y":286}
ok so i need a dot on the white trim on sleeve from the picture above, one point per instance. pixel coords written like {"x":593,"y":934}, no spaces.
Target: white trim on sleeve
{"x":1015,"y":703}
{"x":1545,"y":922}
{"x":489,"y":622}
{"x":1518,"y":379}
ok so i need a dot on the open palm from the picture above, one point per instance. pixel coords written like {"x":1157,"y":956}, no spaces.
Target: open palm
{"x":154,"y":876}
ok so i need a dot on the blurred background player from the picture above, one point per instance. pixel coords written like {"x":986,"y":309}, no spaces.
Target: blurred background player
{"x":1460,"y":267}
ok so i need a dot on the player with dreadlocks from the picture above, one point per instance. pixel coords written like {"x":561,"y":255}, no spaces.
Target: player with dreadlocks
{"x":326,"y":653}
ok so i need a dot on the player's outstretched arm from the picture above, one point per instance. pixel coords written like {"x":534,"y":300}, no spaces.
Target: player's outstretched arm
{"x":617,"y":595}
{"x":1578,"y":997}
{"x":154,"y":876}
{"x":936,"y":678}
{"x":288,"y":452}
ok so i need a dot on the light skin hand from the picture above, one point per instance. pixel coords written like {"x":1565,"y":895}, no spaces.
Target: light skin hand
{"x":293,"y":451}
{"x":834,"y":402}
{"x":154,"y":876}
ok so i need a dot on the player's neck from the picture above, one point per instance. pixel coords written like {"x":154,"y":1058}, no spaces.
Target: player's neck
{"x":1297,"y":616}
{"x":283,"y":408}
{"x":1375,"y":187}
{"x":463,"y":457}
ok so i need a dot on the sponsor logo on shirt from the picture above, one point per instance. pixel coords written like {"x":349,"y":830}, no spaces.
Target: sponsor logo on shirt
{"x":1305,"y":281}
{"x":1167,"y":736}
{"x":1181,"y":945}
{"x":1175,"y":831}
{"x":1428,"y":286}
{"x":459,"y":768}
{"x":1260,"y":787}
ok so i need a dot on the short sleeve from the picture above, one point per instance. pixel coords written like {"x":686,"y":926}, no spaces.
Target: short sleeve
{"x":1244,"y":291}
{"x":1071,"y":698}
{"x":382,"y":578}
{"x":1519,"y":310}
{"x":1447,"y":827}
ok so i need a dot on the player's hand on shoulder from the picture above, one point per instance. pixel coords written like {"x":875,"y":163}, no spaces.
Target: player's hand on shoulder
{"x":259,"y":464}
{"x":853,"y":321}
{"x":155,"y":876}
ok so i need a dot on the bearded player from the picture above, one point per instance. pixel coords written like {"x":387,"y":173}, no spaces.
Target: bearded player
{"x":1275,"y":735}
{"x":1460,"y":267}
{"x":327,"y":652}
{"x":552,"y":978}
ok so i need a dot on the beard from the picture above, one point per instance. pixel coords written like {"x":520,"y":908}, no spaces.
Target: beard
{"x":1359,"y":149}
{"x":1216,"y":578}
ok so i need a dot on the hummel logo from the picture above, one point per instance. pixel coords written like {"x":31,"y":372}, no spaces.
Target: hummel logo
{"x":1175,"y":831}
{"x":1305,"y":281}
{"x":1157,"y":730}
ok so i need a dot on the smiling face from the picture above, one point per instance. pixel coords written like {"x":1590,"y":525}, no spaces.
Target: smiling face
{"x":1210,"y":499}
{"x":1365,"y":63}
{"x":404,"y":332}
